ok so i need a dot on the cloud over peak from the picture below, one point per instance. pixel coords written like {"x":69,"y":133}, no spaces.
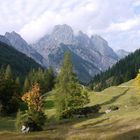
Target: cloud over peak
{"x":115,"y":20}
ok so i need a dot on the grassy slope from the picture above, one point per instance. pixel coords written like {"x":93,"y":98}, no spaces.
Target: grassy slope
{"x":122,"y":124}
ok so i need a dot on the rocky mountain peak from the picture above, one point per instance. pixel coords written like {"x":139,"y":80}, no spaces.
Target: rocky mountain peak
{"x":101,"y":45}
{"x":4,"y":40}
{"x":63,"y":34}
{"x":92,"y":55}
{"x":14,"y":38}
{"x":21,"y":45}
{"x":122,"y":53}
{"x":99,"y":40}
{"x":83,"y":35}
{"x":18,"y":42}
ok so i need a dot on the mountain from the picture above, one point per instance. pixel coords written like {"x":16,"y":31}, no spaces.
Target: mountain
{"x":16,"y":41}
{"x":123,"y":71}
{"x":4,"y":40}
{"x":93,"y":53}
{"x":19,"y":62}
{"x":122,"y":53}
{"x":82,"y":67}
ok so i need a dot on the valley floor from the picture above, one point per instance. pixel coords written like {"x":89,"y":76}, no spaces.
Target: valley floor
{"x":122,"y":124}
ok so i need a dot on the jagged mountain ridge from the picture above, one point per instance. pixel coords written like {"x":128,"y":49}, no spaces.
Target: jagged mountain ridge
{"x":122,"y":53}
{"x":90,"y":55}
{"x":93,"y":50}
{"x":16,"y":41}
{"x":20,"y":63}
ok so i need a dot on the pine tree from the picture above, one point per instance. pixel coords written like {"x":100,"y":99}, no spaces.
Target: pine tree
{"x":68,"y":91}
{"x":8,"y":73}
{"x":9,"y":96}
{"x":49,"y":79}
{"x":26,"y":86}
{"x":18,"y":84}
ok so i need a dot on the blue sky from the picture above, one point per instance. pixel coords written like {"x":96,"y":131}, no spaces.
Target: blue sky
{"x":118,"y":21}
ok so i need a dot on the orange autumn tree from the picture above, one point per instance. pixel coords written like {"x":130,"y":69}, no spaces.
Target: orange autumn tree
{"x":34,"y":118}
{"x":33,"y":98}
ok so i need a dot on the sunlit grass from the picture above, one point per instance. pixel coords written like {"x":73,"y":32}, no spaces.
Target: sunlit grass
{"x":122,"y":124}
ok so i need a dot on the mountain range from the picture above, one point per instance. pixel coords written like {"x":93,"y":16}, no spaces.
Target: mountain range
{"x":123,"y":71}
{"x":20,"y":63}
{"x":122,"y":53}
{"x":90,"y":55}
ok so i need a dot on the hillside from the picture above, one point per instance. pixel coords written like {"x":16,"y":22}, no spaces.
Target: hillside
{"x":81,"y":66}
{"x":93,"y":52}
{"x":123,"y":71}
{"x":122,"y":124}
{"x":122,"y":53}
{"x":20,"y":63}
{"x":22,"y":46}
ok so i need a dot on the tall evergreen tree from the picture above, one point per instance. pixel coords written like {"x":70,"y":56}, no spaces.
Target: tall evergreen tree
{"x":26,"y":86}
{"x":45,"y":79}
{"x":18,"y":84}
{"x":68,"y":91}
{"x":8,"y":72}
{"x":123,"y":71}
{"x":9,"y":96}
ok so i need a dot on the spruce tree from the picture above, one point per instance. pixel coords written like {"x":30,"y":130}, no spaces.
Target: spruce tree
{"x":26,"y":86}
{"x":18,"y":85}
{"x":8,"y":73}
{"x":68,"y":91}
{"x":9,"y":97}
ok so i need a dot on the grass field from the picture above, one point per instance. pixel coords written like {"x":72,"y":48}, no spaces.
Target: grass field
{"x":122,"y":124}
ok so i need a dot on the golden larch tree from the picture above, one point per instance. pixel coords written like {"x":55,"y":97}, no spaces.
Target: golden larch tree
{"x":33,"y":98}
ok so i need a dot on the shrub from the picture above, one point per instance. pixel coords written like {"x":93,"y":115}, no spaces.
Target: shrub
{"x":85,"y":111}
{"x":20,"y":119}
{"x":33,"y":120}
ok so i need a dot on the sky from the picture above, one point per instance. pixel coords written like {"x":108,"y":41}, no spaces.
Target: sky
{"x":117,"y":21}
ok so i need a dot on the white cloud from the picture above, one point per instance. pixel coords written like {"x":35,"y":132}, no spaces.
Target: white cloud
{"x":112,"y":19}
{"x":124,"y":26}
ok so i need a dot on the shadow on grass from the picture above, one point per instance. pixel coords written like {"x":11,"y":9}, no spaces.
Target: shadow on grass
{"x":95,"y":123}
{"x":130,"y":135}
{"x":115,"y":98}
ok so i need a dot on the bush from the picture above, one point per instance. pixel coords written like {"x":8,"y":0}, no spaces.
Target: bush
{"x":20,"y":119}
{"x":83,"y":112}
{"x":34,"y":120}
{"x":113,"y":107}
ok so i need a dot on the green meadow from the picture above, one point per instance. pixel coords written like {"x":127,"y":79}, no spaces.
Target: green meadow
{"x":121,"y":124}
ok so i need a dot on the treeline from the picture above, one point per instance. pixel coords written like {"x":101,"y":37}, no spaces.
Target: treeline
{"x":69,"y":97}
{"x":9,"y":92}
{"x":123,"y":71}
{"x":20,"y":63}
{"x":45,"y":79}
{"x":12,"y":86}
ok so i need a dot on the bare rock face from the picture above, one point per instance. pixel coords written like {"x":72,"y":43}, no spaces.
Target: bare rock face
{"x":63,"y":34}
{"x":92,"y":54}
{"x":122,"y":53}
{"x":21,"y":45}
{"x":3,"y":39}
